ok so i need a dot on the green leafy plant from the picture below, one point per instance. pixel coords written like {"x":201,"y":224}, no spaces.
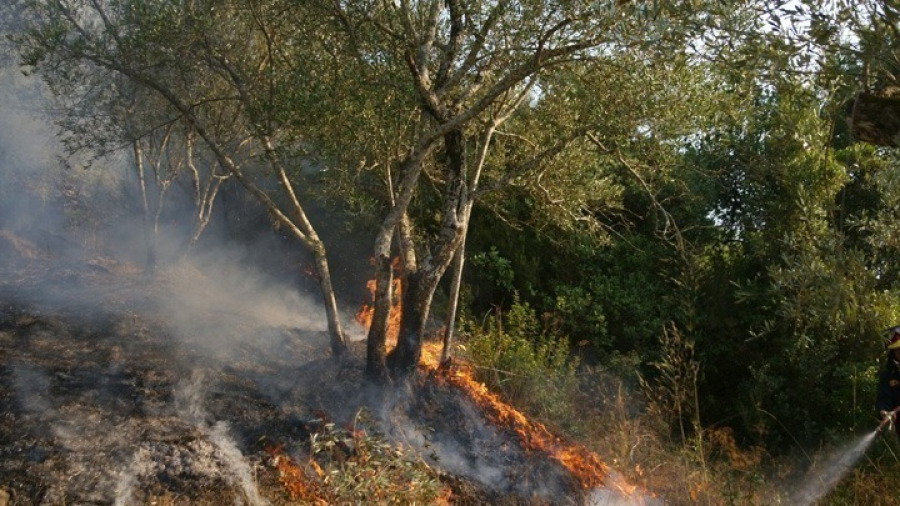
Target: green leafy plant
{"x":357,"y":467}
{"x":531,"y":369}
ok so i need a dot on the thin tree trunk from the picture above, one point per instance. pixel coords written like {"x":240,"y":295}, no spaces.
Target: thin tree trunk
{"x":204,"y":194}
{"x":149,"y":237}
{"x":335,"y":330}
{"x":459,"y":260}
{"x":306,"y":234}
{"x":468,"y":204}
{"x":458,"y":216}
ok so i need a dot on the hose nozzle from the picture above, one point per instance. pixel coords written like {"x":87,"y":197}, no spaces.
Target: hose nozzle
{"x":887,"y":419}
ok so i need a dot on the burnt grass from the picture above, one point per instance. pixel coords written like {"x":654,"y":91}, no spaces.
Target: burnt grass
{"x":104,"y":399}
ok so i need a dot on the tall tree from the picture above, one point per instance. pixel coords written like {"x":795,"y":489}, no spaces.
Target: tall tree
{"x":469,"y":64}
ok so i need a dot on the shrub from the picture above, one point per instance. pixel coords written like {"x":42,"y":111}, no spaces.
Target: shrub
{"x":353,"y":466}
{"x":531,"y":369}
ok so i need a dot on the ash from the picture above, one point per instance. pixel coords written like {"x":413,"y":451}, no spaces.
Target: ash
{"x":105,"y":399}
{"x":118,"y":390}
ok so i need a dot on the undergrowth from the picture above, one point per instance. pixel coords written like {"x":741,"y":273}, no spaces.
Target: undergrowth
{"x":648,"y":431}
{"x":874,"y":480}
{"x":529,"y":368}
{"x":354,"y":466}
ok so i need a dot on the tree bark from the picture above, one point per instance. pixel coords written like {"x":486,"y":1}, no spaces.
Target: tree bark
{"x":417,"y":295}
{"x":410,"y":169}
{"x":876,"y":120}
{"x":149,"y":236}
{"x":376,"y":340}
{"x":459,"y":260}
{"x":423,"y":282}
{"x":204,"y":192}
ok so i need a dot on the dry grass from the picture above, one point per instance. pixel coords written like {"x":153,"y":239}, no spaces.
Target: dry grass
{"x":16,"y":248}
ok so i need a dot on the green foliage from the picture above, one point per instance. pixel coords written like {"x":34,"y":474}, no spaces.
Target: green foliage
{"x":673,"y":393}
{"x":785,"y":303}
{"x":531,"y":369}
{"x":577,"y":311}
{"x":612,"y":297}
{"x":495,"y":268}
{"x":358,"y":467}
{"x":641,"y":184}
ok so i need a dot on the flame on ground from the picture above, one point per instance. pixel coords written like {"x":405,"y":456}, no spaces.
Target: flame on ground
{"x":584,"y":465}
{"x":590,"y":472}
{"x":294,"y":479}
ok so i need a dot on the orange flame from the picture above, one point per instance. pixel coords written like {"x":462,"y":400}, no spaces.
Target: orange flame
{"x":294,"y":479}
{"x":584,"y":465}
{"x":366,"y":312}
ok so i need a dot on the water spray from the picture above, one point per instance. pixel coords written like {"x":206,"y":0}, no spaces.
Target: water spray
{"x":830,"y":472}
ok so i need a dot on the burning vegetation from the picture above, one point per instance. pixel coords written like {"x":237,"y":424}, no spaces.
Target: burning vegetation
{"x":366,"y":310}
{"x":585,"y":467}
{"x":537,"y":441}
{"x":116,"y":389}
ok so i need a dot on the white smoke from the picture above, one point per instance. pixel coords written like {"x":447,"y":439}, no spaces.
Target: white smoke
{"x":612,"y":497}
{"x":125,"y":485}
{"x":189,"y":403}
{"x":234,"y":459}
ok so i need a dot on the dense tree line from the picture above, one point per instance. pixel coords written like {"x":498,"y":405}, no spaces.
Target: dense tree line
{"x":632,"y":170}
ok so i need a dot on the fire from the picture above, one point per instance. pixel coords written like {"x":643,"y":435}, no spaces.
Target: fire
{"x":584,"y":465}
{"x":367,"y":310}
{"x":294,"y":479}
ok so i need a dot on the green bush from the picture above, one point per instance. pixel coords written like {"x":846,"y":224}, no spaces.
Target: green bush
{"x":530,"y":368}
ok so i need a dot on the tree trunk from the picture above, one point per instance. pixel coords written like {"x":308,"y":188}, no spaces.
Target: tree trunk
{"x":876,"y":120}
{"x":411,"y":167}
{"x":203,"y":193}
{"x":335,"y":331}
{"x":423,"y":282}
{"x":376,"y":340}
{"x":459,"y":260}
{"x":418,"y":291}
{"x":306,"y":234}
{"x":149,"y":236}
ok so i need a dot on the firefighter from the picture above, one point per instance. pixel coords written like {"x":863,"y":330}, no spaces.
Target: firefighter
{"x":888,"y":399}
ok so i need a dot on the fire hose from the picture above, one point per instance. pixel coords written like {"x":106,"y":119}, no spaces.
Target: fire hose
{"x":888,"y":420}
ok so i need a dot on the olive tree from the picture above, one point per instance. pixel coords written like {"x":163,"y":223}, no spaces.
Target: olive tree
{"x":470,"y":67}
{"x":211,"y":63}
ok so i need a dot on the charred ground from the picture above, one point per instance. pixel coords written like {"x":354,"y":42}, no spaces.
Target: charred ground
{"x":107,"y":398}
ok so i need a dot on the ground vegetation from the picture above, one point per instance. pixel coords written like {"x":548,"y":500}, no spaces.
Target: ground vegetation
{"x":690,"y":205}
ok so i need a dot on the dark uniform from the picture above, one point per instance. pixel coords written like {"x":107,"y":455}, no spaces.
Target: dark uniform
{"x":888,"y":398}
{"x":889,"y":387}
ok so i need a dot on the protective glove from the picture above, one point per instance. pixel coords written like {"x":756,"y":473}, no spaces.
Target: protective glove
{"x":887,"y":418}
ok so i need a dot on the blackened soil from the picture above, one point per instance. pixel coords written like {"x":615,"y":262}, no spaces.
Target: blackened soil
{"x":113,"y":390}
